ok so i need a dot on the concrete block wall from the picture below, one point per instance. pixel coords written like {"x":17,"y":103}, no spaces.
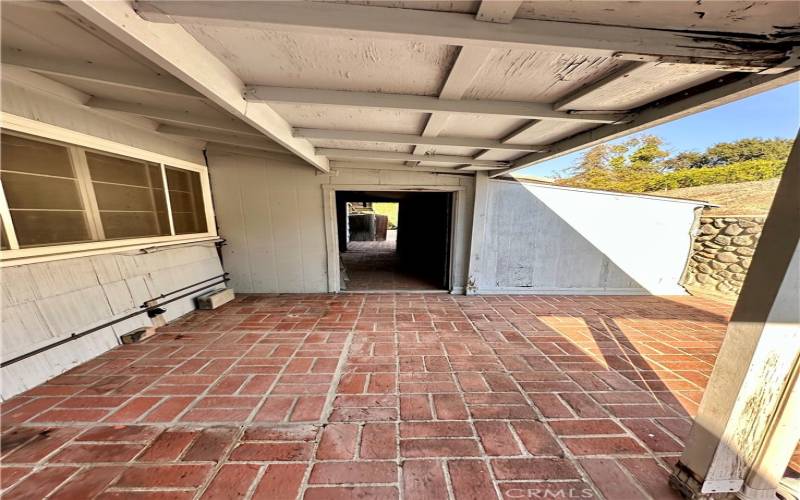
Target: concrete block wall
{"x":49,"y":301}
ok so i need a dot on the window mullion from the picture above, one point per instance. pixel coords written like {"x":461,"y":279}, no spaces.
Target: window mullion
{"x":8,"y":224}
{"x":81,"y":166}
{"x":166,"y":198}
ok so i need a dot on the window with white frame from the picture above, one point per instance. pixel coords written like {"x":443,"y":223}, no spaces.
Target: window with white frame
{"x":59,"y":194}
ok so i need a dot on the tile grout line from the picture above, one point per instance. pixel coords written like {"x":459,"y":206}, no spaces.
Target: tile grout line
{"x":327,"y":408}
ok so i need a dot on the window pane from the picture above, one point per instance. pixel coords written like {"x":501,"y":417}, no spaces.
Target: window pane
{"x":24,"y":191}
{"x":35,"y":227}
{"x":42,"y":193}
{"x":3,"y":237}
{"x":104,"y":168}
{"x":132,"y":224}
{"x":25,"y":155}
{"x":186,"y":200}
{"x":130,"y":196}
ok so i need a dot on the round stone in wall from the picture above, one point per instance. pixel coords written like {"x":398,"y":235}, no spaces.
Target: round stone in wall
{"x":727,"y":257}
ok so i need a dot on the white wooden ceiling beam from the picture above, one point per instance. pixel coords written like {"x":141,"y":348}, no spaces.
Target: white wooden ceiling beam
{"x":423,"y":104}
{"x":667,"y":111}
{"x":410,"y":139}
{"x":391,"y":155}
{"x":451,"y":28}
{"x":222,"y":138}
{"x":224,"y":124}
{"x":89,"y":72}
{"x":180,"y":54}
{"x":468,"y":64}
{"x":510,"y":137}
{"x":498,"y":11}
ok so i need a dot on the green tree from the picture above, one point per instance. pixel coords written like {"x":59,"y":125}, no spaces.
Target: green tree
{"x":752,"y":148}
{"x":641,"y":164}
{"x":685,"y":159}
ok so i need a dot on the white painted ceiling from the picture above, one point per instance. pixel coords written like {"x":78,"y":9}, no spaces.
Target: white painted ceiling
{"x":38,"y":36}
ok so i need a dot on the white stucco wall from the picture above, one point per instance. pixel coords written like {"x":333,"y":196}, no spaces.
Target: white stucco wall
{"x":270,"y":211}
{"x":550,"y":239}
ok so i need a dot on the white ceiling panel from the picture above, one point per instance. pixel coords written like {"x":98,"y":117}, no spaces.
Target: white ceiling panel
{"x":351,"y":118}
{"x":546,"y":132}
{"x":481,"y":126}
{"x":521,"y":75}
{"x":284,"y":59}
{"x":643,"y":85}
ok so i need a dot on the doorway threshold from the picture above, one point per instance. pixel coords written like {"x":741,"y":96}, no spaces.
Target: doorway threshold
{"x":395,"y":291}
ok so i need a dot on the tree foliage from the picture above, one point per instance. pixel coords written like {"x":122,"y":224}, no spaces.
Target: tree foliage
{"x":642,"y":164}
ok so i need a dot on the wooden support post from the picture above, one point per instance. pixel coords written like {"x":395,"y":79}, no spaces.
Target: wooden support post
{"x":735,"y":442}
{"x":480,"y":212}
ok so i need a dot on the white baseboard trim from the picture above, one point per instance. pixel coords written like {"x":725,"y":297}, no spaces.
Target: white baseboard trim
{"x":561,"y":291}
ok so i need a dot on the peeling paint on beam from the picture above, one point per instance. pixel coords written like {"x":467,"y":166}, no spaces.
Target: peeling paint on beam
{"x":463,"y":29}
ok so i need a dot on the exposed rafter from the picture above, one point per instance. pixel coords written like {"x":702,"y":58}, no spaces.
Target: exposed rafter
{"x":564,"y":103}
{"x":180,"y":54}
{"x":468,"y":64}
{"x":360,"y":136}
{"x":463,"y":29}
{"x":510,"y":137}
{"x":222,"y":138}
{"x":498,"y":11}
{"x":389,"y":155}
{"x":176,"y":117}
{"x":423,"y":104}
{"x":90,"y":72}
{"x":710,"y":96}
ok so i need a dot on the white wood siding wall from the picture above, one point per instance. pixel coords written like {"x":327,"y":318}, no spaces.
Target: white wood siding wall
{"x":547,"y":239}
{"x":270,"y":211}
{"x":45,"y":302}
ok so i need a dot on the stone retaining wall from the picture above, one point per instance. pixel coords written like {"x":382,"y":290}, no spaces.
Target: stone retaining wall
{"x":721,"y":253}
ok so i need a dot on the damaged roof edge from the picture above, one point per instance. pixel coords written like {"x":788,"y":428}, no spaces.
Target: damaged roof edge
{"x":550,"y":185}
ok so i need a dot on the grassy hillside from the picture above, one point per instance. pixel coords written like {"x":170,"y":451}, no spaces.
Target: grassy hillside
{"x":742,"y":198}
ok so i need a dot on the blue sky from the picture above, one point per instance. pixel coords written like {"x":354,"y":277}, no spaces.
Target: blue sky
{"x":775,"y":113}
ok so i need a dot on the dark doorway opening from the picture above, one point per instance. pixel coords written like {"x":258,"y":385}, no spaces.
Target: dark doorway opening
{"x":394,"y":240}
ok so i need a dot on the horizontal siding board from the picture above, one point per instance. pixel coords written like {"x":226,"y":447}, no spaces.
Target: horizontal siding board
{"x":35,"y":316}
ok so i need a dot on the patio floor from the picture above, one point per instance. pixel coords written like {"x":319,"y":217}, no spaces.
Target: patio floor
{"x":376,"y":396}
{"x":374,"y":265}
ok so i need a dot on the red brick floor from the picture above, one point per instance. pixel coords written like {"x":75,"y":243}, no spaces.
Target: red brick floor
{"x":374,"y":266}
{"x":376,"y":396}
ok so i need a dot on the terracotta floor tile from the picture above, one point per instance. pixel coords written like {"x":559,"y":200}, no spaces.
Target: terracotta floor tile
{"x":438,"y":395}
